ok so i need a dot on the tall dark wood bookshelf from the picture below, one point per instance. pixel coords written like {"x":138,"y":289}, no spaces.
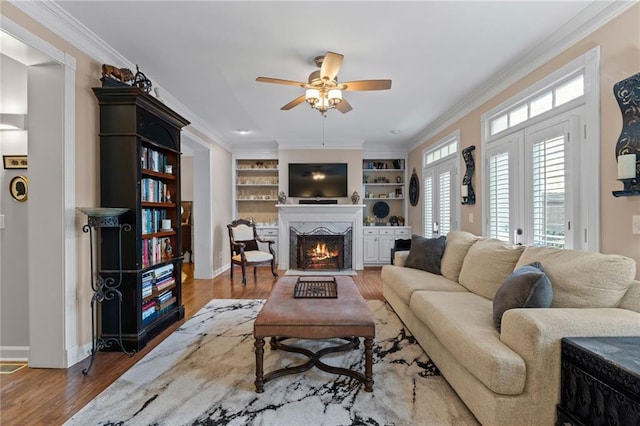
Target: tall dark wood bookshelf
{"x":139,"y":137}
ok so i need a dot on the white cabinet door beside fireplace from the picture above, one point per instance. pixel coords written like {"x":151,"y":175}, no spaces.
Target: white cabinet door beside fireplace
{"x":379,"y":240}
{"x":370,"y":255}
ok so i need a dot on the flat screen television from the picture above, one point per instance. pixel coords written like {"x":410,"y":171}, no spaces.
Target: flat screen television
{"x":313,"y":180}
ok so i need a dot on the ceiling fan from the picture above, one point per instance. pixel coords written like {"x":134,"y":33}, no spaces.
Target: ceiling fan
{"x":323,"y":91}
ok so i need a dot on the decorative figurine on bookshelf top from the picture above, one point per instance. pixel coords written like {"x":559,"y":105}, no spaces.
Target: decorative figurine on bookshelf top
{"x":115,"y":77}
{"x":140,"y":80}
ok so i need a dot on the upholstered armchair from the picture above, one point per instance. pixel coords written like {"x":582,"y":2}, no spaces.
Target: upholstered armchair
{"x":245,"y":250}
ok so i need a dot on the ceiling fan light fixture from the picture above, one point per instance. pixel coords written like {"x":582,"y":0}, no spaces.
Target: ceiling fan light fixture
{"x":312,"y":96}
{"x":335,"y":97}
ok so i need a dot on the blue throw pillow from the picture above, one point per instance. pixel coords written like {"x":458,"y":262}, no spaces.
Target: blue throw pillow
{"x":526,"y":287}
{"x":425,"y":253}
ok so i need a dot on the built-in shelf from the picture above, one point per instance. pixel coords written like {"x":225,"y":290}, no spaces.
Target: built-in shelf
{"x":384,"y":181}
{"x":256,"y":189}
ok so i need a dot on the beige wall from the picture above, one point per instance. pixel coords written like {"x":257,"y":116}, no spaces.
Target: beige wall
{"x":619,"y":42}
{"x":353,"y":158}
{"x":222,"y":205}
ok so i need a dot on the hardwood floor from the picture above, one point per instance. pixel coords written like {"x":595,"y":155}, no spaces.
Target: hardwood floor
{"x":38,"y":396}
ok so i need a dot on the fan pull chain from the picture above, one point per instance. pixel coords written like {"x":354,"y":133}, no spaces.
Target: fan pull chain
{"x":324,"y":117}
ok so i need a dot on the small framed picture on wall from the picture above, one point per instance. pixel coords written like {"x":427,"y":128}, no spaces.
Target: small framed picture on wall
{"x":15,"y":161}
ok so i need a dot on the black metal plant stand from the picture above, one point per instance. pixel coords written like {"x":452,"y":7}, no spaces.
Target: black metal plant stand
{"x":104,"y":288}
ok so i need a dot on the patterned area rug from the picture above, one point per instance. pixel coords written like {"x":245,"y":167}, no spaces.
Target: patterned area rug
{"x":203,"y":374}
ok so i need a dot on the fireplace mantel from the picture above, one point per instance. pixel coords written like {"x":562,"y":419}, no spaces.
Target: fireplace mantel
{"x":320,"y":213}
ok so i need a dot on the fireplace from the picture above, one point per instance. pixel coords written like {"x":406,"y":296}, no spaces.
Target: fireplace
{"x":320,"y":252}
{"x":320,"y":249}
{"x":338,"y":219}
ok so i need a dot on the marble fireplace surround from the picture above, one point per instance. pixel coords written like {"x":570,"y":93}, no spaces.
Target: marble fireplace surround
{"x":298,"y":215}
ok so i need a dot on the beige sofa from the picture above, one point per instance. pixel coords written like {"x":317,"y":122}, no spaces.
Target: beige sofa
{"x":513,"y":376}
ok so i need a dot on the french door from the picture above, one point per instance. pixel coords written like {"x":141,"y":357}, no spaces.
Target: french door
{"x":532,"y":186}
{"x":440,"y":198}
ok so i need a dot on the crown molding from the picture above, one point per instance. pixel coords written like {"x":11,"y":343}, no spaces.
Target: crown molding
{"x":590,"y":19}
{"x":57,"y":20}
{"x":319,"y":144}
{"x":261,"y":150}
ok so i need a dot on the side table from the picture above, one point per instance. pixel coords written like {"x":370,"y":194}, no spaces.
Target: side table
{"x":600,"y":381}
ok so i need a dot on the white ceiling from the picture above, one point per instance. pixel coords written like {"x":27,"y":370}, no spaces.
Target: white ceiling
{"x":207,"y":55}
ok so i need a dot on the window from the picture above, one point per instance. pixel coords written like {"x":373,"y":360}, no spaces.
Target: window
{"x":568,"y":89}
{"x":548,"y":194}
{"x":499,"y":196}
{"x":540,"y":152}
{"x":440,"y":183}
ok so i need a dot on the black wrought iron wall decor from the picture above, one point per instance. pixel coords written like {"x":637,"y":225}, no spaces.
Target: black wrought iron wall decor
{"x":466,"y":191}
{"x":414,"y":189}
{"x":627,"y":93}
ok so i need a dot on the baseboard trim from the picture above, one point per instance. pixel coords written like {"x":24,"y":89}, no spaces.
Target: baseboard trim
{"x":78,"y":354}
{"x":14,"y":353}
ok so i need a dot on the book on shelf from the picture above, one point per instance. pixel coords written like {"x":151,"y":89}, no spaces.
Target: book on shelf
{"x":163,"y":271}
{"x":163,"y":306}
{"x":164,"y":296}
{"x":153,"y":160}
{"x":148,"y":305}
{"x":155,"y":250}
{"x":147,"y":291}
{"x":153,"y":190}
{"x":152,"y":220}
{"x":165,"y":284}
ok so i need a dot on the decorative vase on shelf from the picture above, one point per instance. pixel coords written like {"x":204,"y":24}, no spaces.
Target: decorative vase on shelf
{"x":282,"y":197}
{"x":355,"y":197}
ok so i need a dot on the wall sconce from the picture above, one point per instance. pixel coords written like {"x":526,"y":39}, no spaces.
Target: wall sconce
{"x":12,"y":121}
{"x":466,"y":191}
{"x":627,"y":175}
{"x":627,"y":93}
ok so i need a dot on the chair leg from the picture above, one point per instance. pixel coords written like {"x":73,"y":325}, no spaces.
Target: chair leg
{"x":273,"y":268}
{"x":231,"y":271}
{"x":244,"y":274}
{"x":255,"y":271}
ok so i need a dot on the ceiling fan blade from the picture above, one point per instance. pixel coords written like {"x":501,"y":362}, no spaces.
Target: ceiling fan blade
{"x":279,"y":81}
{"x":330,"y":66}
{"x":297,"y":101}
{"x":367,"y":85}
{"x":344,"y":106}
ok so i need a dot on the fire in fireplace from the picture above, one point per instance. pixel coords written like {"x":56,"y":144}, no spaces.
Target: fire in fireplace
{"x":321,"y":249}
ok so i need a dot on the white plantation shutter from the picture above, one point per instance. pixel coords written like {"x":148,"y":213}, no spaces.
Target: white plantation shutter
{"x":444,"y":200}
{"x":548,"y":192}
{"x":499,"y":199}
{"x":428,"y":205}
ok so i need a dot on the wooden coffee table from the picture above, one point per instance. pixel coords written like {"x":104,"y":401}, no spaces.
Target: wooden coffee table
{"x":346,"y":317}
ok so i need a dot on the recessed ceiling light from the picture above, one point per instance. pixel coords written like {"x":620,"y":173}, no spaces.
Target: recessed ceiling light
{"x":394,"y":132}
{"x":242,"y":131}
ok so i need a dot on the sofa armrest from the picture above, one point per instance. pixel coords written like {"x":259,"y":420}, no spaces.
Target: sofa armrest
{"x":535,"y":335}
{"x":400,"y":257}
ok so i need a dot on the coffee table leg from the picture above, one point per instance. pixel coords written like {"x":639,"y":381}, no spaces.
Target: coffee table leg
{"x":368,"y":364}
{"x":259,"y":345}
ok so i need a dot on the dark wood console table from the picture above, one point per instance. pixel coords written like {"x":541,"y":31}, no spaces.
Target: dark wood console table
{"x":600,"y":381}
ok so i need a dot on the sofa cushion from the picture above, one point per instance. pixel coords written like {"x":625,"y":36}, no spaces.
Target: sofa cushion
{"x":583,"y":279}
{"x":487,"y":264}
{"x":463,"y":324}
{"x":425,"y":253}
{"x":456,"y":248}
{"x":526,"y":287}
{"x":405,"y":281}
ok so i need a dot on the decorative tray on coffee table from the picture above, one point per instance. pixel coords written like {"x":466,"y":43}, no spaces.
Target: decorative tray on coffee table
{"x":316,"y":288}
